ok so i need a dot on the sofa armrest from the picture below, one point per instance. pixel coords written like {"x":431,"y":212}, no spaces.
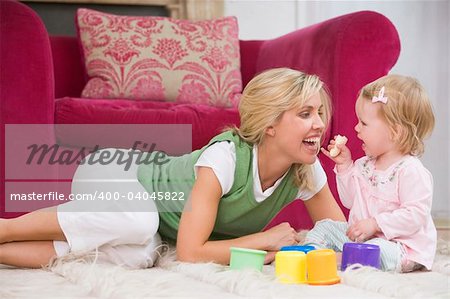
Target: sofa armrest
{"x":26,"y":77}
{"x":249,"y":50}
{"x":26,"y":81}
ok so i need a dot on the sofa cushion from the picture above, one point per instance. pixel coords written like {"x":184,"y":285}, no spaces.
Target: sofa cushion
{"x":159,"y":58}
{"x":206,"y":121}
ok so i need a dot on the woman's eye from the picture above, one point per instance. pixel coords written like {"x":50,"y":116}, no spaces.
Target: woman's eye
{"x":304,"y":114}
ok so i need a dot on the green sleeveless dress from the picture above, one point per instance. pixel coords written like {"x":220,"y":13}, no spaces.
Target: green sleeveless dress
{"x":238,"y":213}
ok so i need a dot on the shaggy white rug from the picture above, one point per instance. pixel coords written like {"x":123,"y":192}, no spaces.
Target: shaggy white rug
{"x":83,"y":277}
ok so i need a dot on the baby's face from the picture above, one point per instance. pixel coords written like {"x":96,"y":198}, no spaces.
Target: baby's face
{"x":372,"y":129}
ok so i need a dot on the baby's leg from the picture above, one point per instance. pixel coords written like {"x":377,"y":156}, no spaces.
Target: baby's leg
{"x":29,"y":254}
{"x":328,"y":234}
{"x":390,"y":254}
{"x":36,"y":226}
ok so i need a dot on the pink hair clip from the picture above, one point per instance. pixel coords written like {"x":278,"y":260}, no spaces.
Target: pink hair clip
{"x":381,"y":98}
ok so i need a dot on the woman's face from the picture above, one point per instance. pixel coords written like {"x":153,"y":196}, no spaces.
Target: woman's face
{"x":297,"y":134}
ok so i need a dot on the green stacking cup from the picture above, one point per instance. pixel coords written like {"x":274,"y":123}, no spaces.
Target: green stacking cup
{"x":243,"y":258}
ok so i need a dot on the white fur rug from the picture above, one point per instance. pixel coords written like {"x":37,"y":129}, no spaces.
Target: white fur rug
{"x":83,"y":277}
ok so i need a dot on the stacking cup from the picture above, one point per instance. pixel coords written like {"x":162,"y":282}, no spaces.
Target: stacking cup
{"x":243,"y":258}
{"x":322,"y":267}
{"x":290,"y":266}
{"x":360,"y":253}
{"x":303,"y":248}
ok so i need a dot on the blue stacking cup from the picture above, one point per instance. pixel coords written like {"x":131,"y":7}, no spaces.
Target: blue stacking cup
{"x":303,"y":248}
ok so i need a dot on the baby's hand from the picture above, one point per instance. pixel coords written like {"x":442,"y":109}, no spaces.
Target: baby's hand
{"x":339,"y":153}
{"x":363,"y":230}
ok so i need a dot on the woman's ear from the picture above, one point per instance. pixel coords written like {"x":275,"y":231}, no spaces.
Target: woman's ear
{"x":270,"y":131}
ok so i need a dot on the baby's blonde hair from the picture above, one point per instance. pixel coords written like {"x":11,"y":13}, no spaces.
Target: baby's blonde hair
{"x":407,"y":112}
{"x":267,"y":96}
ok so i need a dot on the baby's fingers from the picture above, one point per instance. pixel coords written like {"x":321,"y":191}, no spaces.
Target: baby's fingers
{"x":353,"y":233}
{"x":350,"y":232}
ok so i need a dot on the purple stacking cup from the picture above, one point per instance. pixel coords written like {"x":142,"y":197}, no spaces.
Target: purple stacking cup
{"x":360,"y":253}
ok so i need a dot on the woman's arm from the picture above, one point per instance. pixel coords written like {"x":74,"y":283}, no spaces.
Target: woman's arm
{"x":323,"y":205}
{"x":197,"y":223}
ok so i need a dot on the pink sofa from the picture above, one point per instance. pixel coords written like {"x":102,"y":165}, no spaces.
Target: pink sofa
{"x":42,"y":77}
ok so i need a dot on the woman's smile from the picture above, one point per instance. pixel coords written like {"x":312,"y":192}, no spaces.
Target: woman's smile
{"x":311,"y":144}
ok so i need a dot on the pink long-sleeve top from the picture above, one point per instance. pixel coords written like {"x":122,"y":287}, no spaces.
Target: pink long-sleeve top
{"x":399,"y":198}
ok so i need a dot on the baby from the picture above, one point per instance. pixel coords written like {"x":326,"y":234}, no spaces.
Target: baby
{"x":389,"y":192}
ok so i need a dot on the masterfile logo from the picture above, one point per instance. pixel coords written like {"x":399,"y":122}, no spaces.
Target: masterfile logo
{"x":41,"y":160}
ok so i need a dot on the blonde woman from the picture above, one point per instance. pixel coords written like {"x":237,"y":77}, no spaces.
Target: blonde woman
{"x":233,"y":187}
{"x":389,"y":192}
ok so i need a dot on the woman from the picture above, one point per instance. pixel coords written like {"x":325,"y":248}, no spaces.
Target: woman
{"x":235,"y":185}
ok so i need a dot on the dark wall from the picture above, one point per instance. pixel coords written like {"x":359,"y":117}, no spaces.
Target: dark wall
{"x":59,"y":18}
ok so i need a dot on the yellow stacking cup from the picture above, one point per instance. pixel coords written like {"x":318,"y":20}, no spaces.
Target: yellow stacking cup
{"x":322,"y":268}
{"x":290,"y":266}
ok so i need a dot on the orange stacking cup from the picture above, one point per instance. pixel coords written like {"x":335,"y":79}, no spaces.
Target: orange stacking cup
{"x":322,"y":268}
{"x":290,"y":266}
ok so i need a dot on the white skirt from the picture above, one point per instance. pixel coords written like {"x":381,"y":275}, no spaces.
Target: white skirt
{"x":122,"y":232}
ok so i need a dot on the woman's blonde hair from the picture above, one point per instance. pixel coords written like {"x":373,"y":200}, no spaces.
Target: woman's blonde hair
{"x":267,"y":96}
{"x":407,"y":112}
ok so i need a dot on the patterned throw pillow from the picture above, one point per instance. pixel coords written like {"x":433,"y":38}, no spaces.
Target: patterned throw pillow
{"x":159,"y":58}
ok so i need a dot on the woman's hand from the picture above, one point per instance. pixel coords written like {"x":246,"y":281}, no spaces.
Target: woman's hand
{"x":281,"y":235}
{"x":363,"y":230}
{"x":197,"y":223}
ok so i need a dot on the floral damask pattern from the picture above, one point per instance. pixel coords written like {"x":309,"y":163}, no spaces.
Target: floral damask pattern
{"x":158,"y":58}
